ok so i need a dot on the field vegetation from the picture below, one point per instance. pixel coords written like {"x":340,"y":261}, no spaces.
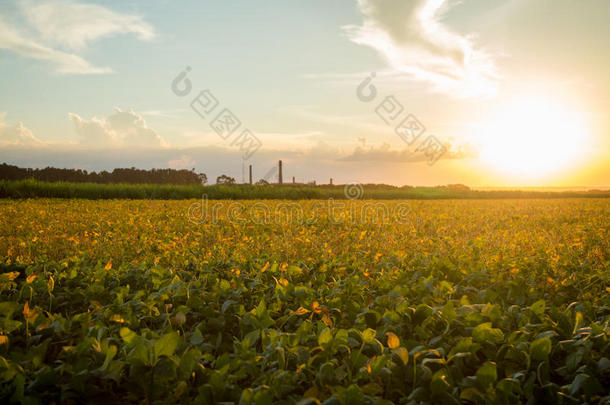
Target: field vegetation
{"x":453,"y":301}
{"x":38,"y":189}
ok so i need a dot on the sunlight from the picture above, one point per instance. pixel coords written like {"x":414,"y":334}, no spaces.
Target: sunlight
{"x":533,"y":136}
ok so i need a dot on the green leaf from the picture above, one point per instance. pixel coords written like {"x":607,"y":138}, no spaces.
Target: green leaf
{"x":577,"y":383}
{"x":603,"y":364}
{"x":449,"y":311}
{"x":440,"y":382}
{"x":263,"y":316}
{"x":579,"y":321}
{"x":487,"y":374}
{"x":325,"y":337}
{"x":7,"y":308}
{"x":141,"y":354}
{"x":326,"y":373}
{"x":127,"y":335}
{"x":540,"y":349}
{"x":9,"y":325}
{"x":371,"y":318}
{"x":586,"y":384}
{"x":294,"y":270}
{"x":110,"y":353}
{"x":368,"y":335}
{"x":422,"y":312}
{"x":341,"y":337}
{"x":485,"y":333}
{"x":472,"y":395}
{"x":251,"y":338}
{"x":260,"y":310}
{"x":352,"y":395}
{"x":224,"y":285}
{"x":188,"y":361}
{"x":263,"y":397}
{"x":196,"y":338}
{"x":378,"y":363}
{"x":403,"y":354}
{"x":166,"y":345}
{"x":538,"y":308}
{"x":445,"y":287}
{"x":492,"y":311}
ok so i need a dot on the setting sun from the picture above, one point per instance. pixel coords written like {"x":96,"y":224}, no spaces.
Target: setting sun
{"x":533,"y":136}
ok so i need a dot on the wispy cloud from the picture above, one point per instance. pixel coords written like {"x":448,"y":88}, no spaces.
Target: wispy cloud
{"x":385,"y":153}
{"x":173,"y":113}
{"x":55,"y":30}
{"x":16,"y":135}
{"x":183,"y":162}
{"x":74,"y":25}
{"x":13,"y":40}
{"x":409,"y":34}
{"x":123,"y":128}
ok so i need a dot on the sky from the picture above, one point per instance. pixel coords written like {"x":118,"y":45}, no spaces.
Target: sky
{"x":486,"y":93}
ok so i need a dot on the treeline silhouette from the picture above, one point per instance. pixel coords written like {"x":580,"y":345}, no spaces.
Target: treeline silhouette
{"x":128,"y":176}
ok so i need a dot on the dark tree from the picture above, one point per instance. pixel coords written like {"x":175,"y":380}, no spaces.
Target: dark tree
{"x":224,"y":179}
{"x":131,"y":175}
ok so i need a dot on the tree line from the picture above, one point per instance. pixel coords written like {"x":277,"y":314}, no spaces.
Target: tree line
{"x":125,"y":175}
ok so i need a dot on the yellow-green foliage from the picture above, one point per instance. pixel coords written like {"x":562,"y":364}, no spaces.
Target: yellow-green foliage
{"x":497,"y":301}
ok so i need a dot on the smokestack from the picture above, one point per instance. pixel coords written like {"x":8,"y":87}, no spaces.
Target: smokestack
{"x":250,"y":174}
{"x":279,"y":180}
{"x":293,"y":182}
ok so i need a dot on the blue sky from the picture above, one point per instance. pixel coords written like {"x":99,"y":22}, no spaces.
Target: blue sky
{"x":88,"y":85}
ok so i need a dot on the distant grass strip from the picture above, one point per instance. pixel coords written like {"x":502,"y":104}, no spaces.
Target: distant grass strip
{"x":93,"y":191}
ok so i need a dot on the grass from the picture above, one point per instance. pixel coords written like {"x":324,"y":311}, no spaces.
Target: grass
{"x":94,"y":191}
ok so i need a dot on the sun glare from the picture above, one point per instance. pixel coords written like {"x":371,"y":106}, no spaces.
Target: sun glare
{"x":533,"y":137}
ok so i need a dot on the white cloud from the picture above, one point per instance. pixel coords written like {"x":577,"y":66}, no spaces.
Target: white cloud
{"x":410,"y":36}
{"x":13,"y":40}
{"x":63,"y":27}
{"x":183,"y":162}
{"x":16,"y":135}
{"x":384,"y":153}
{"x":121,"y":129}
{"x":73,"y":24}
{"x":171,"y":113}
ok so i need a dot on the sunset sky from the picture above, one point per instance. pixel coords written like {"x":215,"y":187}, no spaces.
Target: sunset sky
{"x":517,"y":93}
